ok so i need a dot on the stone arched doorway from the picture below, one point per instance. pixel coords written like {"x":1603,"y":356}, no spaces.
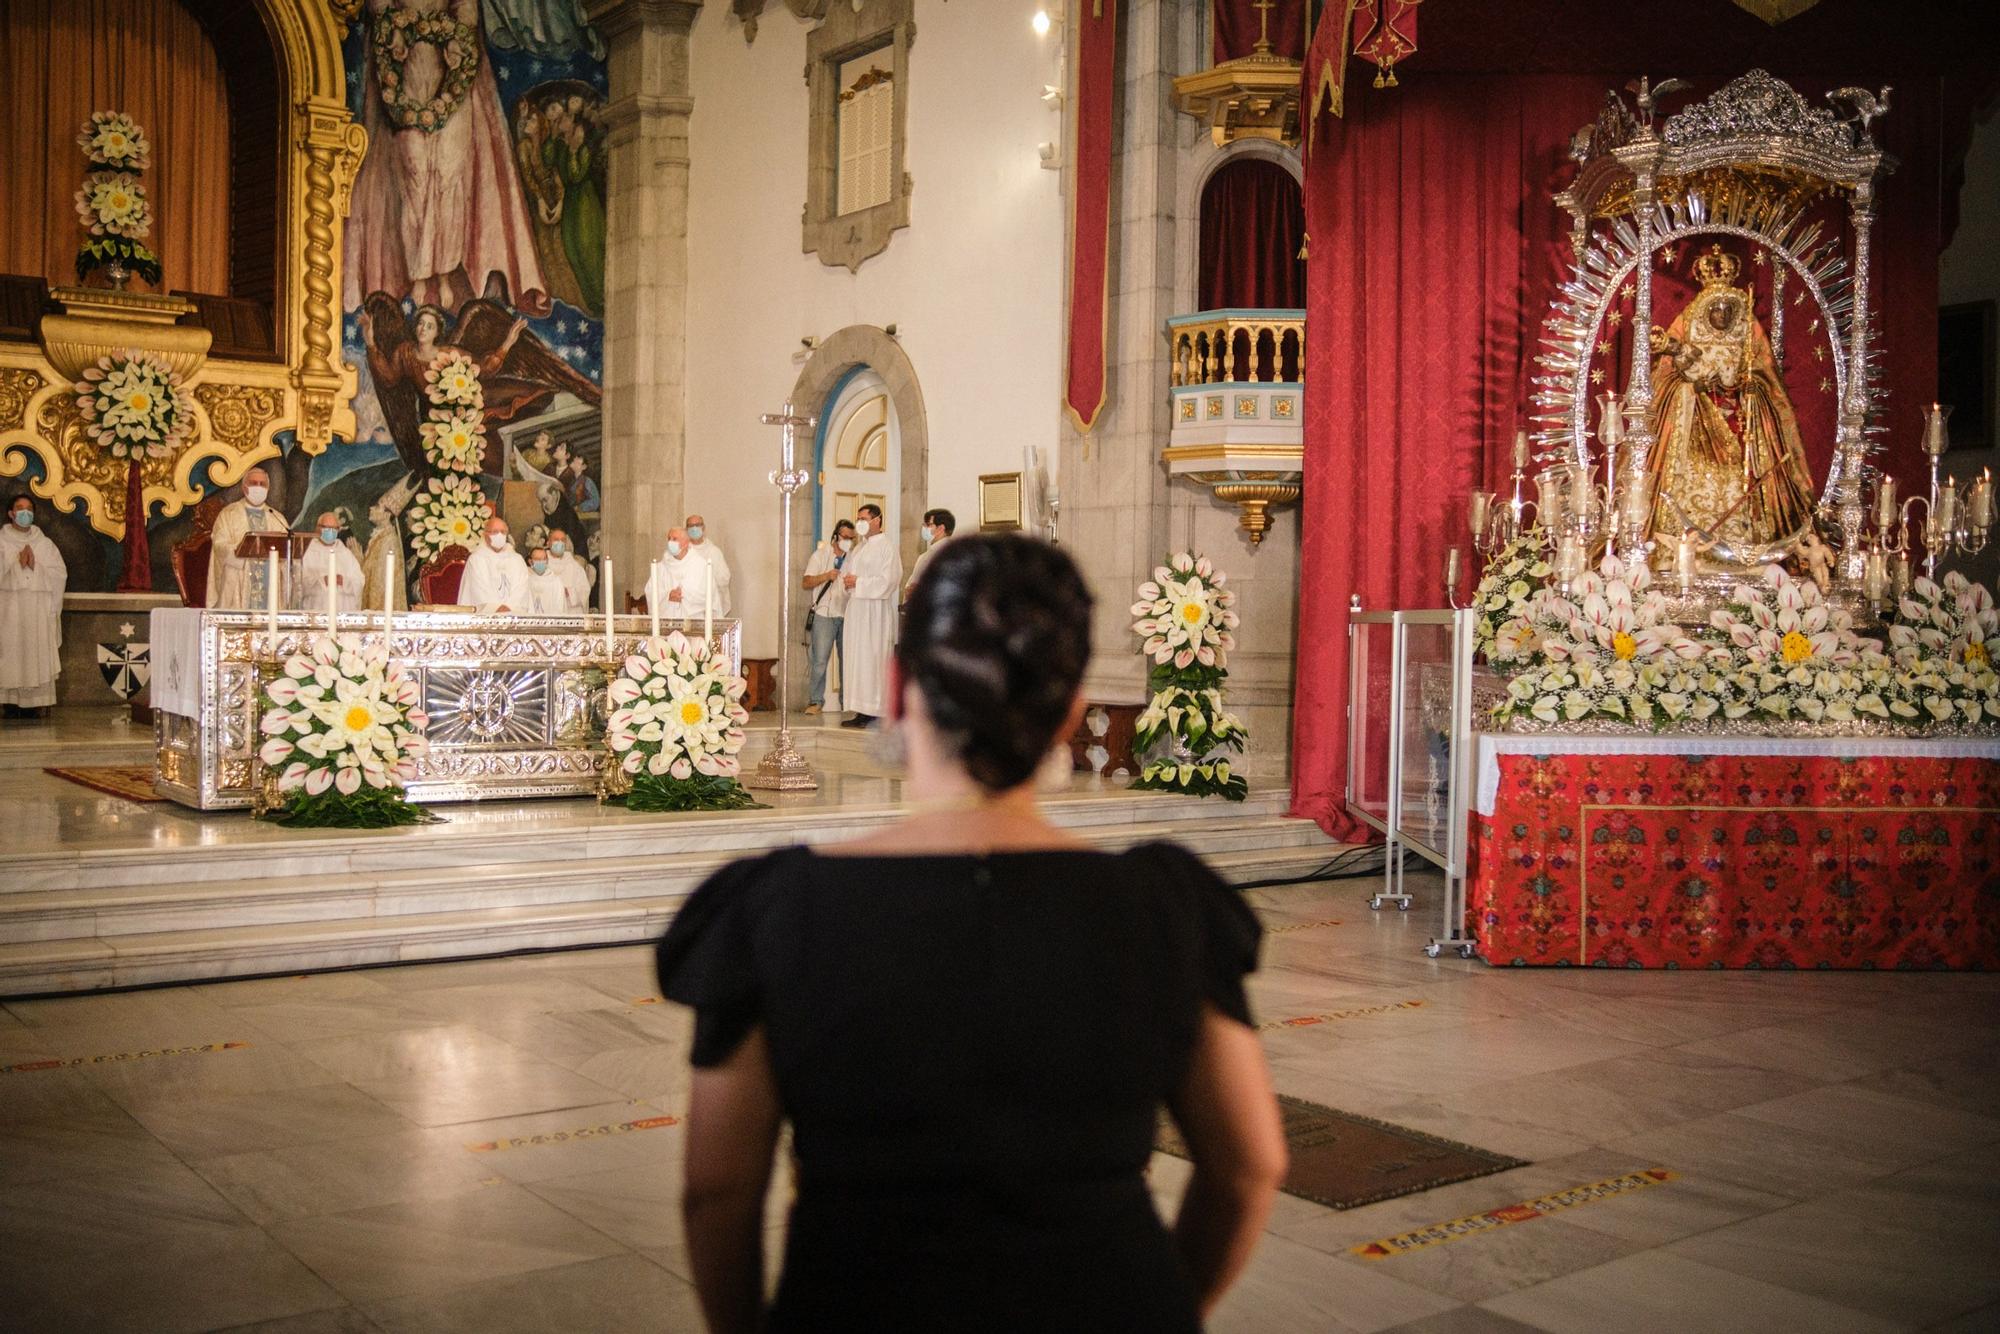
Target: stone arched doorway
{"x":833,"y":360}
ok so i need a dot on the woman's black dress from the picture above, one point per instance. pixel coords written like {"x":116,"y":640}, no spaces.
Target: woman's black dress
{"x":973,"y":1052}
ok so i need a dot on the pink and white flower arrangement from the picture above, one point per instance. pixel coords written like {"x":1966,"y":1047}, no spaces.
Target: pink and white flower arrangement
{"x":134,"y":406}
{"x":341,"y":718}
{"x":676,"y":726}
{"x":1185,"y":614}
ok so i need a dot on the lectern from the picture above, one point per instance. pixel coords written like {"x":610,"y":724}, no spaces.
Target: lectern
{"x":256,"y":548}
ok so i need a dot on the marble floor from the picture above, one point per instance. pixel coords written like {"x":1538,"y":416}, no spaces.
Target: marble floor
{"x":491,"y":1146}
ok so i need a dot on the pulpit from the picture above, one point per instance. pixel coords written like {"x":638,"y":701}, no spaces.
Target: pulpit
{"x":257,"y":549}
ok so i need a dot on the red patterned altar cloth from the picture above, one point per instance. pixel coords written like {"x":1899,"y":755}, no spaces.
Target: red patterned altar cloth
{"x":1696,"y":852}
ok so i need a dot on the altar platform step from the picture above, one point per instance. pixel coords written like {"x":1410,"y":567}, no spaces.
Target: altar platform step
{"x":89,"y":919}
{"x":75,"y":736}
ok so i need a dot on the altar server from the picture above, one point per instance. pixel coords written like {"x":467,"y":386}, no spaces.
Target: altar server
{"x":328,"y":558}
{"x":679,"y":585}
{"x":228,"y":574}
{"x":548,"y":595}
{"x":496,"y":578}
{"x":566,"y":565}
{"x":939,"y":525}
{"x":697,"y":531}
{"x":873,"y":577}
{"x":32,"y":579}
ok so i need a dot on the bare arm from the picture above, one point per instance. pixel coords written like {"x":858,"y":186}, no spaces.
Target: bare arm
{"x":1228,"y":1114}
{"x":733,"y":1118}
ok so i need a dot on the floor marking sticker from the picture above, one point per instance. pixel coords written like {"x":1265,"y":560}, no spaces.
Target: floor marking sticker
{"x":568,"y":1136}
{"x":1525,"y":1211}
{"x":1307,"y":1020}
{"x":1290,"y":927}
{"x":58,"y":1063}
{"x":649,"y":1000}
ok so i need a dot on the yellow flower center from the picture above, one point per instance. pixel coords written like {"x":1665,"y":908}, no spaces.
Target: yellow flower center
{"x":1190,"y":612}
{"x":357,"y":717}
{"x":459,"y":528}
{"x":139,"y":402}
{"x":1977,"y":656}
{"x":692,"y":712}
{"x":118,"y":199}
{"x":1795,"y":647}
{"x":1623,"y":645}
{"x":117,"y":139}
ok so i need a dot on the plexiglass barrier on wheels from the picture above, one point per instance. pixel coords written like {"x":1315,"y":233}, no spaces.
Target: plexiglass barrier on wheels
{"x":1411,"y":750}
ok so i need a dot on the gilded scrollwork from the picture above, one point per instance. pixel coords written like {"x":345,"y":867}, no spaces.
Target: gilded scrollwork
{"x":238,"y":413}
{"x":18,"y":384}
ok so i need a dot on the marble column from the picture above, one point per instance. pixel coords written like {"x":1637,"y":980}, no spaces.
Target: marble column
{"x":645,"y":275}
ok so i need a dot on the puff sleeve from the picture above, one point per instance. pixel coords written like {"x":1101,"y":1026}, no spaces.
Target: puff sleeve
{"x":708,"y":958}
{"x":1227,"y":933}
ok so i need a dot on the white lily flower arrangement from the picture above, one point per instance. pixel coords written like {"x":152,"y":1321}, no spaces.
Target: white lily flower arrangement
{"x":454,"y":433}
{"x":113,"y":139}
{"x":448,"y":512}
{"x":111,"y":201}
{"x":343,"y":730}
{"x":1946,"y":644}
{"x":134,"y":406}
{"x":1508,"y":586}
{"x":1604,"y":649}
{"x":1185,"y":621}
{"x":676,"y":727}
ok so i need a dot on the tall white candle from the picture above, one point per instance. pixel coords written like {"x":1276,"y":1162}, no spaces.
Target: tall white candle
{"x":388,"y":593}
{"x":271,"y":591}
{"x":707,"y":602}
{"x":332,"y":607}
{"x":604,"y":589}
{"x":653,"y":595}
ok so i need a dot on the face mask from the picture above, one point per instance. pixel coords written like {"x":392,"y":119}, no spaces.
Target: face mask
{"x":929,"y":537}
{"x":676,"y":550}
{"x":863,"y":527}
{"x":24,"y":518}
{"x":255,"y":495}
{"x":846,"y":544}
{"x":696,"y":533}
{"x":541,"y":567}
{"x":558,"y":548}
{"x":327,"y":535}
{"x":498,"y":541}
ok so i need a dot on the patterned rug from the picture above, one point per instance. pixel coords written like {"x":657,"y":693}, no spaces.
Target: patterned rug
{"x":133,"y":782}
{"x":1344,"y":1161}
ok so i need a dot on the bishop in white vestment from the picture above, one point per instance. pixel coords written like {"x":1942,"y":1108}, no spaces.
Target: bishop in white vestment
{"x":873,"y":575}
{"x":32,"y":580}
{"x":228,"y":574}
{"x":328,"y":558}
{"x":495,"y":578}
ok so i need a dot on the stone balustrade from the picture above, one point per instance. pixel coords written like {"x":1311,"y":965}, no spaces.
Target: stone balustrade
{"x":1237,"y":347}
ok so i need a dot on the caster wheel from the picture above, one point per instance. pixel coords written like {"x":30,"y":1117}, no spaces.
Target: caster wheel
{"x":1402,"y":905}
{"x":1431,"y":949}
{"x":1465,"y":951}
{"x":1374,"y":905}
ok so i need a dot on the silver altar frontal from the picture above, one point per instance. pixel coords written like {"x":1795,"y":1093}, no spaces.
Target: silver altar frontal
{"x":516,"y":703}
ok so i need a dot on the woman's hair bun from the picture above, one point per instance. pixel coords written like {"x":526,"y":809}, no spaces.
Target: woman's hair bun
{"x":997,"y":636}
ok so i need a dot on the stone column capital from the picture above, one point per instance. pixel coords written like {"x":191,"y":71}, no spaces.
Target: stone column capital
{"x":616,"y":18}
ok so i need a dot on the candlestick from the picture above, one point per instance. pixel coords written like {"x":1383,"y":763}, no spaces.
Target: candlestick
{"x":1982,"y":500}
{"x":1875,"y":576}
{"x":1935,"y":439}
{"x":332,"y":606}
{"x":388,"y":594}
{"x":1885,"y":503}
{"x":653,"y":598}
{"x":1899,"y":571}
{"x":1451,"y":571}
{"x":1684,"y":557}
{"x":271,"y":591}
{"x":707,"y":602}
{"x":604,"y":590}
{"x":1520,"y":449}
{"x":1947,"y":507}
{"x":1476,"y":512}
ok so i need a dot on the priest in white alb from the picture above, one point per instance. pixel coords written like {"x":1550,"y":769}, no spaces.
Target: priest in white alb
{"x":873,"y":576}
{"x":32,"y":580}
{"x":577,"y":577}
{"x":328,"y":558}
{"x":228,"y":573}
{"x":682,"y":582}
{"x":548,"y":595}
{"x":718,"y":564}
{"x":495,"y":578}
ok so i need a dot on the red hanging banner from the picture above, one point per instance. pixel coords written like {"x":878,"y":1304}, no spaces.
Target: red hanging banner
{"x":1090,"y":210}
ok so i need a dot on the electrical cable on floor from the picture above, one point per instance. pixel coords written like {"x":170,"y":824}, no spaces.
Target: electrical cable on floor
{"x":1347,"y":864}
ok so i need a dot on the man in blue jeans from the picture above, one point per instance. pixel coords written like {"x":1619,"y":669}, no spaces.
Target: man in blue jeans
{"x":826,"y":608}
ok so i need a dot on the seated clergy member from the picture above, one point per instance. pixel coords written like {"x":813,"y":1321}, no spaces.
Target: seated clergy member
{"x":228,"y":573}
{"x":496,"y":578}
{"x":328,"y":558}
{"x":566,"y":565}
{"x":938,"y":526}
{"x":679,"y":586}
{"x":697,"y":531}
{"x":548,"y":595}
{"x":32,"y":580}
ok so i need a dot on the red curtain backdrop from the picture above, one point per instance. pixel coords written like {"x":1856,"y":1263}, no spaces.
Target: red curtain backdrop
{"x":1090,"y":210}
{"x":63,"y":59}
{"x":1237,"y":26}
{"x":1252,"y":221}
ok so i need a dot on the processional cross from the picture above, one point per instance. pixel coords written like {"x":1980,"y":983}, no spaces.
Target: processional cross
{"x":783,"y":768}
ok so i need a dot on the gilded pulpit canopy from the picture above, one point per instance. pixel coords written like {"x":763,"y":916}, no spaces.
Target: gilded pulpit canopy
{"x":1727,"y":460}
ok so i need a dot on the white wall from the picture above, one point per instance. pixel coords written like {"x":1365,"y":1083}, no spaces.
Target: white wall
{"x":1969,"y":270}
{"x":974,"y":284}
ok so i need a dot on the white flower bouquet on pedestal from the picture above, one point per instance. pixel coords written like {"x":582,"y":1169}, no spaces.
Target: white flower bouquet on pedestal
{"x":676,"y":728}
{"x":343,"y":731}
{"x":1185,"y":620}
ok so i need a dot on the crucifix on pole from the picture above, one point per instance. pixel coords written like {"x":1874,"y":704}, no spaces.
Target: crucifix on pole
{"x":783,"y":769}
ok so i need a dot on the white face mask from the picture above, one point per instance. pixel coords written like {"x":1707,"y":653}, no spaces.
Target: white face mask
{"x":863,"y":527}
{"x":255,"y":495}
{"x":845,"y":544}
{"x":558,"y":548}
{"x":24,"y":518}
{"x":498,"y":541}
{"x":676,"y":550}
